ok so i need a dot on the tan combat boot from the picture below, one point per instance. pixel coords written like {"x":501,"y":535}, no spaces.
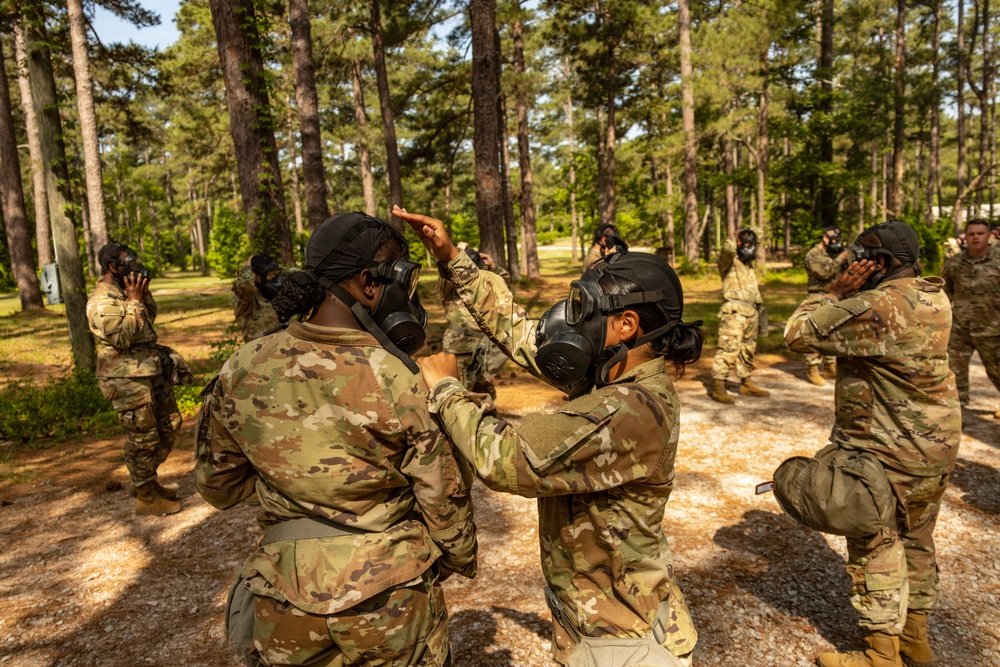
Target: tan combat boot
{"x":830,"y":371}
{"x":719,"y":393}
{"x":815,"y":377}
{"x":748,"y":388}
{"x":883,"y":651}
{"x":914,"y":648}
{"x":149,"y":503}
{"x":168,"y":491}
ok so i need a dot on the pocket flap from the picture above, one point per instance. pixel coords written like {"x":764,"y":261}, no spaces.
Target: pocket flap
{"x":551,"y":438}
{"x":829,"y":317}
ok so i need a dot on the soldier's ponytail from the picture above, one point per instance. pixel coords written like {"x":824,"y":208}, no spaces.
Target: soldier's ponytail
{"x":299,"y":295}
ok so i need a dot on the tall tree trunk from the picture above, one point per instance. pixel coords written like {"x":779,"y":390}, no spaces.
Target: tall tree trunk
{"x":385,"y":104}
{"x":67,"y":248}
{"x":88,"y":242}
{"x":313,"y":175}
{"x":959,"y":215}
{"x":524,"y":159}
{"x":485,"y":94}
{"x":509,"y":221}
{"x":573,"y":218}
{"x":934,"y":160}
{"x":15,"y":217}
{"x":762,"y":157}
{"x":88,"y":122}
{"x":983,"y":16}
{"x":873,"y":192}
{"x":827,"y":195}
{"x":671,"y":245}
{"x":364,"y":159}
{"x":43,"y":230}
{"x":691,"y":230}
{"x":251,"y":123}
{"x":292,"y":159}
{"x":786,"y":214}
{"x":608,"y":187}
{"x":172,"y":212}
{"x":727,"y":167}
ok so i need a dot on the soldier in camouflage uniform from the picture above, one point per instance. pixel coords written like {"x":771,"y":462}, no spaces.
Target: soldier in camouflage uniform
{"x":479,"y":360}
{"x":131,"y":374}
{"x":972,"y":282}
{"x":824,"y":262}
{"x":604,"y":233}
{"x":256,"y":284}
{"x":364,"y":506}
{"x":738,"y":317}
{"x":602,"y":467}
{"x":896,"y":398}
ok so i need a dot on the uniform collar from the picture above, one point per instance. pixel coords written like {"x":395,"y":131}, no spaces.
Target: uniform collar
{"x":113,"y":290}
{"x":966,"y":257}
{"x":332,"y":335}
{"x":642,"y":371}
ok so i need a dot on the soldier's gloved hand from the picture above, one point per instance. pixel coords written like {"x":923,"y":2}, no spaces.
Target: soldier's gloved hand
{"x":853,"y":279}
{"x":431,"y":232}
{"x":437,"y":367}
{"x":135,"y":286}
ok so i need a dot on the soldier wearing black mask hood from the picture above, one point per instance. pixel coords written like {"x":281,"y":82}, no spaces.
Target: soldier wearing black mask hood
{"x":255,"y":286}
{"x":602,"y":465}
{"x":824,"y":262}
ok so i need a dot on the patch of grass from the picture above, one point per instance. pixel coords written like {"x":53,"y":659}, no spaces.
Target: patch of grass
{"x":60,"y":409}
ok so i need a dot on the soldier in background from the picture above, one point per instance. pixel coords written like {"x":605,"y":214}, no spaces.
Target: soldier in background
{"x":604,"y":244}
{"x":972,"y":282}
{"x":364,"y":507}
{"x":133,"y":373}
{"x":738,"y":317}
{"x":257,"y":282}
{"x":824,"y":263}
{"x":896,"y":399}
{"x":479,"y":360}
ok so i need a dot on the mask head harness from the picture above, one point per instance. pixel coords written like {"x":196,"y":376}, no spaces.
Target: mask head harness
{"x":262,"y":265}
{"x":746,"y":246}
{"x":571,"y":336}
{"x":896,"y":240}
{"x":345,"y":245}
{"x":110,"y":259}
{"x":835,"y":241}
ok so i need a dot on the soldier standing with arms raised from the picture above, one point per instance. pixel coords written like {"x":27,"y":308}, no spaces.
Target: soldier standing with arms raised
{"x":824,"y":262}
{"x":896,"y":399}
{"x":972,"y":282}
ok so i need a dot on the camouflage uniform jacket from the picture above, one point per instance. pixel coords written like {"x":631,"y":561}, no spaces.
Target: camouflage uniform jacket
{"x":602,"y":468}
{"x":324,"y":422}
{"x":253,"y":313}
{"x":739,"y":282}
{"x":895,"y":396}
{"x":973,"y":285}
{"x":462,"y":335}
{"x":821,"y":268}
{"x":124,"y":333}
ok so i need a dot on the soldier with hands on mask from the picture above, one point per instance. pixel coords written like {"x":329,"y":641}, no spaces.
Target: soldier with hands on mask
{"x":601,"y":467}
{"x":256,"y":284}
{"x":364,"y":507}
{"x":136,"y":374}
{"x":895,"y":398}
{"x":824,"y":262}
{"x":972,"y":283}
{"x":606,"y":241}
{"x":739,"y":317}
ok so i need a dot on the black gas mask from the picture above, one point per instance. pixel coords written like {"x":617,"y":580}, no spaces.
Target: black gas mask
{"x":399,"y":312}
{"x":130,"y":265}
{"x":898,"y":241}
{"x":834,"y":243}
{"x":269,"y":288}
{"x":263,"y":266}
{"x":746,"y":249}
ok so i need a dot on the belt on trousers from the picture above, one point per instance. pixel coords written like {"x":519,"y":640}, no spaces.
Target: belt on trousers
{"x":567,"y":624}
{"x":755,"y":306}
{"x":306,"y":528}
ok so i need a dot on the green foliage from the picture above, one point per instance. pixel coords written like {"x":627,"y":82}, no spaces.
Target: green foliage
{"x":229,"y":245}
{"x":58,"y":410}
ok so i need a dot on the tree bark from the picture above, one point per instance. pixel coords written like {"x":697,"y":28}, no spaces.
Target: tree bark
{"x":509,"y":221}
{"x":671,"y":245}
{"x":485,"y":94}
{"x":307,"y":102}
{"x":88,"y":122}
{"x":691,"y":231}
{"x":251,"y":123}
{"x":67,"y":247}
{"x":385,"y":105}
{"x":528,"y":237}
{"x":292,"y":159}
{"x":43,"y":230}
{"x":573,"y":220}
{"x":827,"y":195}
{"x":960,"y":110}
{"x":364,"y":159}
{"x":899,"y":113}
{"x":934,"y":159}
{"x":15,"y":217}
{"x":608,"y":215}
{"x":727,"y":166}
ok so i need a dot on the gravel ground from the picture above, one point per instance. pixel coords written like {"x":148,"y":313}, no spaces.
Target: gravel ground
{"x":86,"y":583}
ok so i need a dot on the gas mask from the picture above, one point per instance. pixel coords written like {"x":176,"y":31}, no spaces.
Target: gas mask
{"x":398,"y":312}
{"x":269,"y":288}
{"x":130,"y":265}
{"x":898,"y":240}
{"x":746,"y":250}
{"x":834,"y":244}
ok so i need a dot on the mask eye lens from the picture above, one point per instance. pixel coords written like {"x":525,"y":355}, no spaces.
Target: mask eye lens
{"x":575,"y":305}
{"x":414,"y":279}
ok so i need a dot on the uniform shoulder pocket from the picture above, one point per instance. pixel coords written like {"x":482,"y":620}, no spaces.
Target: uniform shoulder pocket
{"x":826,"y":319}
{"x":552,"y":438}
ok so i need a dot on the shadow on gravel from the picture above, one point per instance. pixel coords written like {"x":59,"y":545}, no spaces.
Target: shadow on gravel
{"x":529,"y":621}
{"x":801,"y":577}
{"x":472,"y":631}
{"x":979,"y":483}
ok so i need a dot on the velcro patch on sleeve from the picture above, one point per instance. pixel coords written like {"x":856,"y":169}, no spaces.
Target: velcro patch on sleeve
{"x":826,"y":319}
{"x":552,"y":437}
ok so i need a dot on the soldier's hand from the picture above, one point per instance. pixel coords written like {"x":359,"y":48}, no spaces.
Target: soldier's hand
{"x":487,"y":260}
{"x":437,"y":367}
{"x":135,"y":286}
{"x":431,"y":232}
{"x":853,"y":279}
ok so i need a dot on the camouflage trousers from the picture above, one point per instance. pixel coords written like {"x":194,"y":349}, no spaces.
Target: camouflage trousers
{"x":737,"y":345}
{"x":148,"y":413}
{"x":896,"y":569}
{"x":961,"y":345}
{"x":404,"y":626}
{"x":817,"y":359}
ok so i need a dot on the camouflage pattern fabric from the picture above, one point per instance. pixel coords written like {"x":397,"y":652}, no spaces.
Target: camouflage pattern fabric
{"x":973,"y":285}
{"x":253,"y":314}
{"x":130,"y":375}
{"x":601,"y":473}
{"x":822,"y":270}
{"x":895,"y":397}
{"x":404,"y":625}
{"x":594,"y":255}
{"x":738,"y":316}
{"x":323,"y":422}
{"x":479,"y":360}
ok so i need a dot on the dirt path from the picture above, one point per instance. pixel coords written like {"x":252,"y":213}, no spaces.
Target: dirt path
{"x":84,"y":582}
